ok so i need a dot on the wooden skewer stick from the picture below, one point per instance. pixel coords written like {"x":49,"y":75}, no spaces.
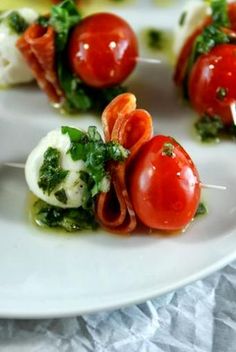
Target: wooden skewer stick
{"x":203,"y":185}
{"x":233,"y":112}
{"x":15,"y":165}
{"x":147,"y":60}
{"x":216,"y":187}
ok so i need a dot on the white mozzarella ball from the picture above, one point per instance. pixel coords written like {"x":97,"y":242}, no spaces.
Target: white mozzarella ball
{"x":194,"y":14}
{"x":13,"y":68}
{"x":72,"y":184}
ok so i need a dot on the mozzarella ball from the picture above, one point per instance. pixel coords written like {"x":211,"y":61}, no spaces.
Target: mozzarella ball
{"x":193,"y":16}
{"x":13,"y":68}
{"x":72,"y":184}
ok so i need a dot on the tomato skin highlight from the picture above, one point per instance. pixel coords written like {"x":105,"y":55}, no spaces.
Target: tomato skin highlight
{"x":103,"y":50}
{"x":213,"y":71}
{"x":165,"y":190}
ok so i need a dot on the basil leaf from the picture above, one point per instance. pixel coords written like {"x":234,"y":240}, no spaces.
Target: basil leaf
{"x":90,"y":148}
{"x":210,"y":37}
{"x":77,"y":98}
{"x":220,"y":12}
{"x":63,"y":17}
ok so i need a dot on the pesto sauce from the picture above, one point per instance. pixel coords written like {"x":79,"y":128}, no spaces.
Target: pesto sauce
{"x":69,"y":220}
{"x":212,"y":130}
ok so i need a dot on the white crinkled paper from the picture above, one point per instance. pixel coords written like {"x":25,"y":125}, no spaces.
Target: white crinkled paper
{"x":200,"y":317}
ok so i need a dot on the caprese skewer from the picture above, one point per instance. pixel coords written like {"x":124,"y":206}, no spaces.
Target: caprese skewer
{"x":126,"y":179}
{"x":80,"y":63}
{"x":206,"y":64}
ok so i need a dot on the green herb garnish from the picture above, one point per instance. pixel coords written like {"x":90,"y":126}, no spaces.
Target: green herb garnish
{"x":16,"y":22}
{"x":71,"y":220}
{"x":209,"y":128}
{"x":210,"y":37}
{"x":182,"y":18}
{"x":64,"y":17}
{"x":51,"y":174}
{"x":220,"y":12}
{"x":213,"y":35}
{"x":79,"y":96}
{"x":61,"y":196}
{"x":43,"y":21}
{"x":201,"y":210}
{"x":76,"y":92}
{"x":90,"y":148}
{"x":156,"y":39}
{"x":168,"y":150}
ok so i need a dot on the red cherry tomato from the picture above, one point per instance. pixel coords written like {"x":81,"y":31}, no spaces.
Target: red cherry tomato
{"x":164,"y":185}
{"x":181,"y":65}
{"x":103,"y":50}
{"x":212,"y":82}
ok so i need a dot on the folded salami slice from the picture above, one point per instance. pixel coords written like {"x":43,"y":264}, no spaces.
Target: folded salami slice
{"x":130,"y":127}
{"x":37,"y":45}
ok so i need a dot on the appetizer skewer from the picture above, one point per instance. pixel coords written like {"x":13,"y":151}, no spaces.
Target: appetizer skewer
{"x":205,"y":66}
{"x":80,"y":63}
{"x":130,"y":178}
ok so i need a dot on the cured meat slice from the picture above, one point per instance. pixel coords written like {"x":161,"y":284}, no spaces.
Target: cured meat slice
{"x":130,"y":127}
{"x":37,"y":45}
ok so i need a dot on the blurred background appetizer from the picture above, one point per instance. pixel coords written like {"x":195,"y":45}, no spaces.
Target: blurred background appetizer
{"x":206,"y":64}
{"x":13,"y":67}
{"x":79,"y":63}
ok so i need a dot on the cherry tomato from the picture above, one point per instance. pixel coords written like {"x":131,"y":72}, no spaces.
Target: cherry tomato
{"x":212,"y":82}
{"x":181,"y":65}
{"x":103,"y":50}
{"x":164,"y":185}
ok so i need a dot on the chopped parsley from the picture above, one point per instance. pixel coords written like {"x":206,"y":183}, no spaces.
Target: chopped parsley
{"x":51,"y":175}
{"x":182,"y":18}
{"x":213,"y":34}
{"x":155,"y":38}
{"x":221,"y":93}
{"x":201,"y":210}
{"x":210,"y":37}
{"x":16,"y":22}
{"x":70,"y":220}
{"x":168,"y":150}
{"x":90,"y":148}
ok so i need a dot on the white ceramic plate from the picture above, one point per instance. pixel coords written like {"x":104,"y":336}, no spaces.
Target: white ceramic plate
{"x":47,"y":275}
